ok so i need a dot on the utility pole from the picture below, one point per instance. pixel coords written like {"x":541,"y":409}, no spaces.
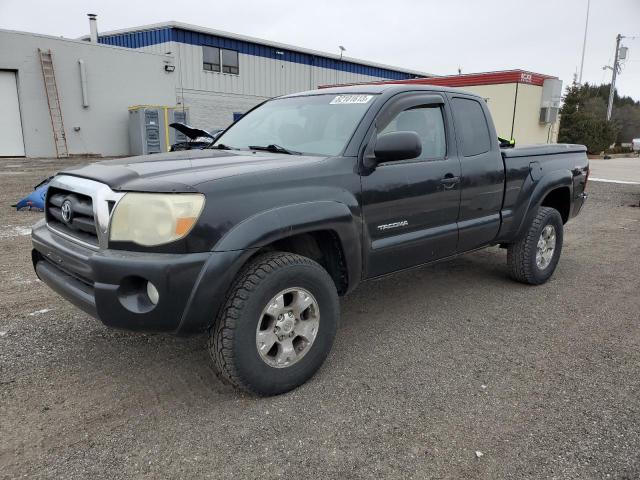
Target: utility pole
{"x":584,"y":43}
{"x":616,"y":67}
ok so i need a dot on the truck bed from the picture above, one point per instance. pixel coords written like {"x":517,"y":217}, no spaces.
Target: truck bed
{"x":544,"y":149}
{"x":531,"y":170}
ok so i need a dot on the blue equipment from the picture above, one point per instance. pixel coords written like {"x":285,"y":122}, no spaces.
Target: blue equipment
{"x":35,"y":200}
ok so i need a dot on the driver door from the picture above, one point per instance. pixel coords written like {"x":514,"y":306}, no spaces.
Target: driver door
{"x":411,"y":206}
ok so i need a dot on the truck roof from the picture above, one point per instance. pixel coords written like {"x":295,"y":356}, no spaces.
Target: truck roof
{"x":380,"y":88}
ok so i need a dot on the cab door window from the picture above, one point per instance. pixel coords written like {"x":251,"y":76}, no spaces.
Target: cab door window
{"x":428,"y":123}
{"x":473,"y":126}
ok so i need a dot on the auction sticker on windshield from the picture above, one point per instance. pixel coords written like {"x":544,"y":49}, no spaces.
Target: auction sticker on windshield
{"x":347,"y":99}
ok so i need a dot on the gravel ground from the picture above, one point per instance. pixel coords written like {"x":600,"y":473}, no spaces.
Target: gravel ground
{"x":449,"y":371}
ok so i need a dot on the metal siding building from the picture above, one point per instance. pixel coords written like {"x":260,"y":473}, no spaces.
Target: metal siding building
{"x":94,"y":85}
{"x":265,"y":69}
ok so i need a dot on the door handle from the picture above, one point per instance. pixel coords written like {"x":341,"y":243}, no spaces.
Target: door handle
{"x":449,"y":181}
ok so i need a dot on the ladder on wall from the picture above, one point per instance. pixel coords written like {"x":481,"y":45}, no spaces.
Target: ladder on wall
{"x":53,"y":99}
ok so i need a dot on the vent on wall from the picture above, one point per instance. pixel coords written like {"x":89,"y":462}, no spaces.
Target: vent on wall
{"x":549,"y":114}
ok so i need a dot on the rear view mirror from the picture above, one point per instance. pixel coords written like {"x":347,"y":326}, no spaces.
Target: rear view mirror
{"x":397,"y":146}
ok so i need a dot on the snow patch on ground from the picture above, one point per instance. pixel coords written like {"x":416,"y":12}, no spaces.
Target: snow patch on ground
{"x":624,"y":182}
{"x":40,"y":312}
{"x":12,"y":231}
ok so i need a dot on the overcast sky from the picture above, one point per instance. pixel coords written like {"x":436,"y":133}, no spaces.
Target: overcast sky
{"x":434,"y":36}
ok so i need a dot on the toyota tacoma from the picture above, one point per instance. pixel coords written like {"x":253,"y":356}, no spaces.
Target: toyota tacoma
{"x":254,"y":240}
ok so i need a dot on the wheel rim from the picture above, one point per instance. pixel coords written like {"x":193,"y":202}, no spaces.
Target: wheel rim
{"x":287,"y":327}
{"x":546,"y":247}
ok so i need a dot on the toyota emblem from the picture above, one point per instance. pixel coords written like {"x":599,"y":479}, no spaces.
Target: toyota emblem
{"x":66,"y":211}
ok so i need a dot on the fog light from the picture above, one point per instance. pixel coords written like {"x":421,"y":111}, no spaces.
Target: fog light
{"x":152,"y":293}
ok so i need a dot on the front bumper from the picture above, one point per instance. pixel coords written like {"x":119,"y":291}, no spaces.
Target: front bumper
{"x":111,"y":284}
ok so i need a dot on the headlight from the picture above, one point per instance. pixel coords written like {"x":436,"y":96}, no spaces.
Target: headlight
{"x":155,"y":218}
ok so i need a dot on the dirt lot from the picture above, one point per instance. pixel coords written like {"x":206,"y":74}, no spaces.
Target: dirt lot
{"x":430,"y":368}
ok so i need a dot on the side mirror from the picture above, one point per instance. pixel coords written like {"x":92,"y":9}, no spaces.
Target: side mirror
{"x":397,"y":146}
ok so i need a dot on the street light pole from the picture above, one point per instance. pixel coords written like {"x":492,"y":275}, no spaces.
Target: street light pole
{"x":584,"y":43}
{"x":342,"y":49}
{"x":616,"y":67}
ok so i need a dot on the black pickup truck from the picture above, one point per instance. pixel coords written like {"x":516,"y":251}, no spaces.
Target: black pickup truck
{"x":306,"y":196}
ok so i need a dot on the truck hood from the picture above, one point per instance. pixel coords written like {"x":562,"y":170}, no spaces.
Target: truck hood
{"x":191,"y":132}
{"x":183,"y":171}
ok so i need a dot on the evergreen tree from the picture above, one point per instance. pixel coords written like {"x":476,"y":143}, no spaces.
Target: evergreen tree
{"x":583,"y":118}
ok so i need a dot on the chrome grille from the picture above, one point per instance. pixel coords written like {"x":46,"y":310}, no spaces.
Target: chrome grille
{"x":81,"y":221}
{"x":80,"y":209}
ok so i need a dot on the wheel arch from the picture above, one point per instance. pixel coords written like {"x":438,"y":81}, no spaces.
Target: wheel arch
{"x":560,"y":199}
{"x":326,"y":231}
{"x":322,"y":246}
{"x":558,"y":180}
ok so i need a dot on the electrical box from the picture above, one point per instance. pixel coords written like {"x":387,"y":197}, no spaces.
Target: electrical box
{"x":551,"y":98}
{"x":551,"y":92}
{"x":622,"y":53}
{"x":180,"y":115}
{"x":147,"y":130}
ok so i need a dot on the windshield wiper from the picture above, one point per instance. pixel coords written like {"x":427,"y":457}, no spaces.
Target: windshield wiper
{"x":272,"y":147}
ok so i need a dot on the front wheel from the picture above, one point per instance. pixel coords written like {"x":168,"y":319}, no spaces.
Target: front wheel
{"x":277,"y":326}
{"x":534,"y":257}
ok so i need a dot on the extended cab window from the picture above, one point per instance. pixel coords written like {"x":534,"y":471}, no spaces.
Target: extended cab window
{"x":473,"y":126}
{"x":428,"y":123}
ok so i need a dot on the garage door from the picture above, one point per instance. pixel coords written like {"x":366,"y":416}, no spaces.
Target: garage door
{"x":11,"y":143}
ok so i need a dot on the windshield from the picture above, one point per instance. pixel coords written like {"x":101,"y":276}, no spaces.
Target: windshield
{"x":314,"y":124}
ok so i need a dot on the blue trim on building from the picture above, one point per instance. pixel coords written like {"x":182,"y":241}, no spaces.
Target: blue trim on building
{"x":168,"y":34}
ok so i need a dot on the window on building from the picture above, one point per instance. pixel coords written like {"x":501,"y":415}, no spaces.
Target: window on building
{"x":428,"y":123}
{"x":216,"y":59}
{"x":473,"y":125}
{"x":230,"y":61}
{"x":211,"y":58}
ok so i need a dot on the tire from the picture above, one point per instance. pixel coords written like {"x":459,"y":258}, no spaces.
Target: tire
{"x":522,"y":257}
{"x":253,"y":311}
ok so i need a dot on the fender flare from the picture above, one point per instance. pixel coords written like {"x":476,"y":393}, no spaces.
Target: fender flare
{"x":237,"y":246}
{"x":546,"y":184}
{"x":266,"y":227}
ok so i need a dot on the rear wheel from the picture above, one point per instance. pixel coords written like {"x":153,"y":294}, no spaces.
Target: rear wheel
{"x":277,"y":326}
{"x":534,"y":257}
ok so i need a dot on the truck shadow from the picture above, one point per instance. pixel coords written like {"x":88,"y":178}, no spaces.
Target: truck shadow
{"x":105,"y":366}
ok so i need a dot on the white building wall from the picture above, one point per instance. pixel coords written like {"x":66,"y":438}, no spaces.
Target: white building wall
{"x":213,"y":97}
{"x":116,"y":79}
{"x":526,"y":126}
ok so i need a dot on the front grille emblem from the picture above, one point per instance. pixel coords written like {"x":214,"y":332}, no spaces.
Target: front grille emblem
{"x":67,"y":212}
